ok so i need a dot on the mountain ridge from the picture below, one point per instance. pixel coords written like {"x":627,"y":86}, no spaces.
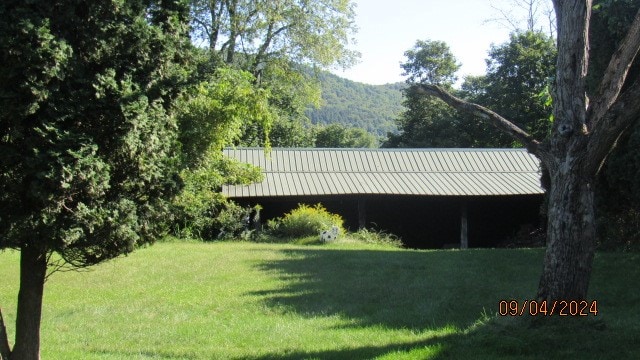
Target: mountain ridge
{"x":371,"y":107}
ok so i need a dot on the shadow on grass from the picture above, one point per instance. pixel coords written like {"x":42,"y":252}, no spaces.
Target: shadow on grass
{"x":435,"y":290}
{"x":428,"y":349}
{"x":400,"y":289}
{"x":500,"y":338}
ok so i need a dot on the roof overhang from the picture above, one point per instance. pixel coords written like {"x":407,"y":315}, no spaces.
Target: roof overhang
{"x":422,"y":172}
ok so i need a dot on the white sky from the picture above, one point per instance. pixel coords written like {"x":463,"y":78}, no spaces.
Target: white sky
{"x":388,"y":28}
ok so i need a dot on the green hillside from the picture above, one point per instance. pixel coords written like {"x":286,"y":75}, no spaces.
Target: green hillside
{"x":371,"y":107}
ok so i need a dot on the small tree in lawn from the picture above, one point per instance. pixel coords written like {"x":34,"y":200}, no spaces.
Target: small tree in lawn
{"x":584,"y":132}
{"x":88,"y":151}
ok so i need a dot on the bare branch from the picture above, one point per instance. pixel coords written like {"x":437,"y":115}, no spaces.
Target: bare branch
{"x":527,"y":15}
{"x":487,"y":115}
{"x":624,"y":111}
{"x":505,"y":17}
{"x":616,"y":73}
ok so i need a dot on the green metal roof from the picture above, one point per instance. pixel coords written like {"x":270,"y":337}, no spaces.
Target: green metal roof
{"x":436,"y":172}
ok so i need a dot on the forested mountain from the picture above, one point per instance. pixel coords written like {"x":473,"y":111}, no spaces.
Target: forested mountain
{"x":370,"y":107}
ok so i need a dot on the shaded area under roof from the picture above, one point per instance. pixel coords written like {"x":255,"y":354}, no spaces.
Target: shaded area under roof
{"x":430,"y":172}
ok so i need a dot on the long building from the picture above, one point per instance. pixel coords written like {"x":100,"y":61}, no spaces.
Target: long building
{"x":431,"y":198}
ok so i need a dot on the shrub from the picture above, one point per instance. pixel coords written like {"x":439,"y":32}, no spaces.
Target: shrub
{"x":232,"y":222}
{"x":201,"y":211}
{"x":377,"y":237}
{"x":304,"y":221}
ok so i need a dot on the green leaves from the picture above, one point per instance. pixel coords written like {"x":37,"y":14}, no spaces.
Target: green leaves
{"x":340,"y":136}
{"x":88,"y":141}
{"x":430,"y":62}
{"x":213,"y":114}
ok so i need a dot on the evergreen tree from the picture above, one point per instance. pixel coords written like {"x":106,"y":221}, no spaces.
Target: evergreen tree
{"x":88,"y":143}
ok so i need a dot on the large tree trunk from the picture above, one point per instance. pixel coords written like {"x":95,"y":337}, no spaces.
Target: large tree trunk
{"x":571,"y":234}
{"x":33,"y":269}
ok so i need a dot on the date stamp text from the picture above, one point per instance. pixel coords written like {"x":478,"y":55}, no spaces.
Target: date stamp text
{"x":548,"y":308}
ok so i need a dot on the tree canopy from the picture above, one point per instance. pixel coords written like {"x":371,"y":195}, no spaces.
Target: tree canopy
{"x":257,"y":32}
{"x":88,"y":139}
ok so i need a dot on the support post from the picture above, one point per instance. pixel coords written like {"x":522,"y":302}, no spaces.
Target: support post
{"x":464,"y":225}
{"x":362,"y":213}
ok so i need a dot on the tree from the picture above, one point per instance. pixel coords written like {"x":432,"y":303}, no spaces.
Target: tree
{"x":291,"y":91}
{"x":519,"y":77}
{"x":428,"y":122}
{"x":583,"y":134}
{"x":211,"y":116}
{"x":88,"y":143}
{"x":340,"y":136}
{"x":257,"y":31}
{"x":430,"y":62}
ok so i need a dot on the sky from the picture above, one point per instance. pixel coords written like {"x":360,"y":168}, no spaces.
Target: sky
{"x":386,"y":29}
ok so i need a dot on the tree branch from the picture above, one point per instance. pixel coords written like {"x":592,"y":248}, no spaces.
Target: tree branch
{"x":265,"y":45}
{"x":616,"y":73}
{"x":620,"y":115}
{"x":569,"y":102}
{"x":487,"y":115}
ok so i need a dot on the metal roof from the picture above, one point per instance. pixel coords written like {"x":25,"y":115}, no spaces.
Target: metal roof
{"x":436,"y":172}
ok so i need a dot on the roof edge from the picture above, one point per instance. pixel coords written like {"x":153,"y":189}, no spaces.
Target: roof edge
{"x":380,"y":149}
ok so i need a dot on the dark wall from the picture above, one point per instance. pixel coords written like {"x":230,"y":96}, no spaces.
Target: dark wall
{"x":422,"y":221}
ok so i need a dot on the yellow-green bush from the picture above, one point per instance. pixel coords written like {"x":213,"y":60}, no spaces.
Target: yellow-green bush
{"x":376,"y":237}
{"x":305,"y":220}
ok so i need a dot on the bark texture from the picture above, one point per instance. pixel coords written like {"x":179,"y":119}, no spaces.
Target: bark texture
{"x":571,"y":236}
{"x":33,"y":269}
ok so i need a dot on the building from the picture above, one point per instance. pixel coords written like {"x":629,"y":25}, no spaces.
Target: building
{"x":432,"y":198}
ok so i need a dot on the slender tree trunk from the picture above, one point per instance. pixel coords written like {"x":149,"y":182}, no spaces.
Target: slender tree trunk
{"x":33,"y":268}
{"x":571,"y":234}
{"x":232,"y":7}
{"x":5,"y":350}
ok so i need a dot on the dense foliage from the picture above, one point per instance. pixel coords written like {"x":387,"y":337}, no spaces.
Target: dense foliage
{"x":210,"y":116}
{"x":518,"y":81}
{"x":619,"y":182}
{"x":88,"y":143}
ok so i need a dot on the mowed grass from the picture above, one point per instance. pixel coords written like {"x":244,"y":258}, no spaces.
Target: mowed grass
{"x":190,"y":300}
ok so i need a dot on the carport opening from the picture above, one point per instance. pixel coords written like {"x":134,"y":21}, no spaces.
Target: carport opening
{"x":424,"y":222}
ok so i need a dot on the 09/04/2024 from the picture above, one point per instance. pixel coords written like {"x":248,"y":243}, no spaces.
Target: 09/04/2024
{"x":548,"y":308}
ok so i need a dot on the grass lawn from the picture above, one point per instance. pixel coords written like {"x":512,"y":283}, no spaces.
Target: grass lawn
{"x":189,"y":300}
